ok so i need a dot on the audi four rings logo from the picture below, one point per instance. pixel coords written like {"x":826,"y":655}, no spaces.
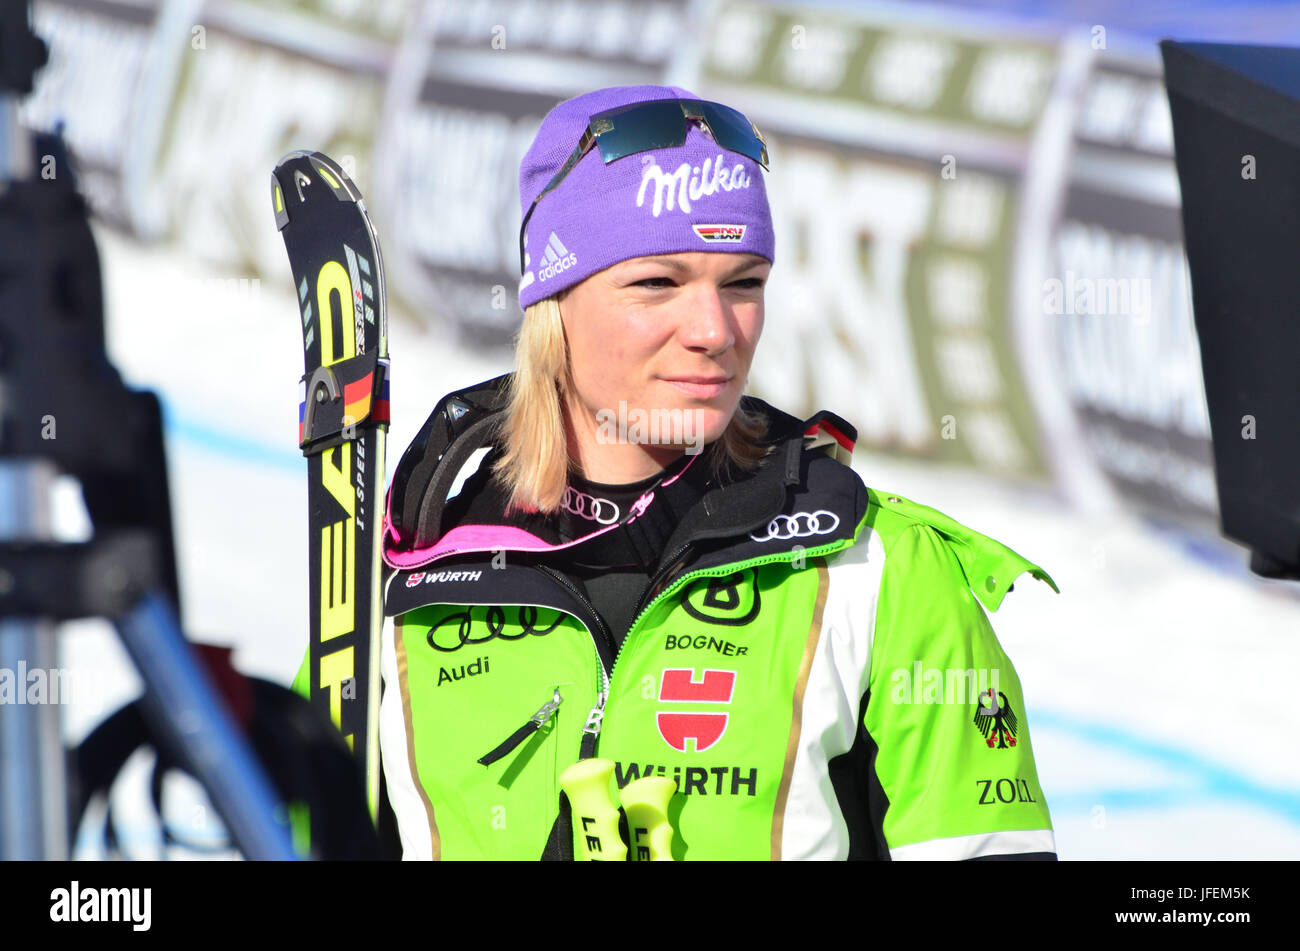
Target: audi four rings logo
{"x":799,"y":525}
{"x":589,"y":506}
{"x":457,"y":630}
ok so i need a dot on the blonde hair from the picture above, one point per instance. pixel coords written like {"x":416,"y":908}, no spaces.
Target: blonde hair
{"x":535,"y":466}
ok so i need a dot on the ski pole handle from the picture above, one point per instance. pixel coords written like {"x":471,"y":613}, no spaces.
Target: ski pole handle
{"x":645,"y":801}
{"x":586,"y":783}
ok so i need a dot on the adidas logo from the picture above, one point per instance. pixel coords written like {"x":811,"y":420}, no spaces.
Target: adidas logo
{"x":556,"y":259}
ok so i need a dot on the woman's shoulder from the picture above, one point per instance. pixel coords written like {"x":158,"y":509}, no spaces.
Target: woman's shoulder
{"x":827,"y":484}
{"x":990,"y":567}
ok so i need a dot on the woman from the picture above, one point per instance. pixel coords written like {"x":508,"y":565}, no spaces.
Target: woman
{"x":649,"y":567}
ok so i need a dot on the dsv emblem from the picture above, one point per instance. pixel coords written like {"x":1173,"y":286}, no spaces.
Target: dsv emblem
{"x":799,"y":525}
{"x":494,"y":620}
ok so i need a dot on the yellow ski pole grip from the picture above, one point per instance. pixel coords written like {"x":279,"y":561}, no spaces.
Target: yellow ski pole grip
{"x":595,"y":817}
{"x":645,"y":801}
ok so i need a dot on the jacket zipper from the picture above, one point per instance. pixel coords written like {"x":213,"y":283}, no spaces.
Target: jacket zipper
{"x":585,"y":602}
{"x":596,"y":716}
{"x":591,"y":728}
{"x":672,"y":564}
{"x":535,"y":723}
{"x":642,"y":607}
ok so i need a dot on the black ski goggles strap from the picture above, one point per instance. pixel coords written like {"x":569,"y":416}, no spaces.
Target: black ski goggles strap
{"x":656,"y":124}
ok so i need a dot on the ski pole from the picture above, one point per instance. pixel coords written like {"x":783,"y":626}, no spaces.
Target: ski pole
{"x":645,"y":801}
{"x":586,"y":783}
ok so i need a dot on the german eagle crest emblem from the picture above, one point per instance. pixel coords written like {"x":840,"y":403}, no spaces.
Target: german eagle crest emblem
{"x":995,"y":720}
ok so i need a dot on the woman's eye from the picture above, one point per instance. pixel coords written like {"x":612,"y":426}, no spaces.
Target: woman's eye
{"x":749,"y":283}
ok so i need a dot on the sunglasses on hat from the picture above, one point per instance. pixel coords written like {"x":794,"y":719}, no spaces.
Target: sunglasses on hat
{"x":656,"y":124}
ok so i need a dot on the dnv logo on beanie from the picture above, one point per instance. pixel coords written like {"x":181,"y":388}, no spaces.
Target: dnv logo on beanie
{"x":691,"y":197}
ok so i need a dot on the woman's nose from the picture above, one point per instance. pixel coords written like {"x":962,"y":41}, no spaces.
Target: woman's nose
{"x":706,"y":323}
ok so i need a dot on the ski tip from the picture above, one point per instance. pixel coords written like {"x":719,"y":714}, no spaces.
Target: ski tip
{"x":294,"y":158}
{"x":344,"y":188}
{"x":298,"y":171}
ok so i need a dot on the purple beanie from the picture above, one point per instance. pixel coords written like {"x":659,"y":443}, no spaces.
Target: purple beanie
{"x":695,"y":197}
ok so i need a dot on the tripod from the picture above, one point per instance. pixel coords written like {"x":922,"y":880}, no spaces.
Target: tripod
{"x":64,"y":409}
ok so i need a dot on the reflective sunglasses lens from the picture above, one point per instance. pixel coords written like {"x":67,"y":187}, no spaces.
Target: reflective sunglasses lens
{"x":658,"y":124}
{"x":733,"y":131}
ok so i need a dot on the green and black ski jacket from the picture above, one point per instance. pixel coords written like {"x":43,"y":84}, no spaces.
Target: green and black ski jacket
{"x":811,"y":662}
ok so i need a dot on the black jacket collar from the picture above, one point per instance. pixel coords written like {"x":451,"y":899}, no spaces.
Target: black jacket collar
{"x":700,"y":510}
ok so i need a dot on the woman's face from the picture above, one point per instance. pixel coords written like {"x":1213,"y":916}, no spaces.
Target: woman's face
{"x":659,"y":350}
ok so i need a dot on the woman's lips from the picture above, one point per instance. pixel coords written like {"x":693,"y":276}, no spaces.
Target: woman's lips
{"x":700,"y":387}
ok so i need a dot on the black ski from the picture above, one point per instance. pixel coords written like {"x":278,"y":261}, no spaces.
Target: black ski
{"x":343,"y":422}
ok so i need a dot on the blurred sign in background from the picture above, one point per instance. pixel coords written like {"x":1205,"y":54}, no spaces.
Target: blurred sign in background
{"x":979,"y":263}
